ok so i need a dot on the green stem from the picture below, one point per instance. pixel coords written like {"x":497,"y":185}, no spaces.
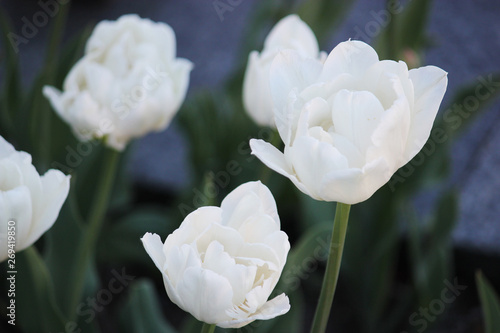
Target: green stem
{"x":208,"y":328}
{"x":96,"y":218}
{"x":332,"y":268}
{"x":49,"y":79}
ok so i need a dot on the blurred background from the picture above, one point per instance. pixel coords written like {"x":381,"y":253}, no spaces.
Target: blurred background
{"x":436,"y":223}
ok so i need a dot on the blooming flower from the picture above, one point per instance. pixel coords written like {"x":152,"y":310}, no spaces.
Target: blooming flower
{"x":127,"y":84}
{"x":289,"y":33}
{"x":222,"y":264}
{"x":29,"y":204}
{"x":350,"y":123}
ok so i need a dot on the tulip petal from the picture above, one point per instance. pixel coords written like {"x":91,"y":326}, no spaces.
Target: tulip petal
{"x":240,"y":277}
{"x":353,"y":57}
{"x":274,"y":159}
{"x":193,"y":226}
{"x":177,"y":260}
{"x":257,"y":227}
{"x":276,"y":307}
{"x":356,"y":115}
{"x":266,"y":204}
{"x":154,"y":247}
{"x":205,"y":294}
{"x":6,"y":149}
{"x":15,"y":204}
{"x":256,"y":90}
{"x":248,"y":201}
{"x":390,"y":137}
{"x":292,"y":33}
{"x":311,"y":160}
{"x":55,"y":189}
{"x":380,"y":77}
{"x":289,"y":72}
{"x":430,"y":84}
{"x":351,"y":186}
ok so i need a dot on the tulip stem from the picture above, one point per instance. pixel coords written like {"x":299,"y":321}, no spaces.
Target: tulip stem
{"x":95,"y":218}
{"x":332,"y":268}
{"x":208,"y":328}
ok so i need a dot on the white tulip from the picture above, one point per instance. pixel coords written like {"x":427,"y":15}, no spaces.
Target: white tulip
{"x":289,"y":33}
{"x":29,"y":204}
{"x":222,"y":264}
{"x":349,"y":124}
{"x":127,"y":84}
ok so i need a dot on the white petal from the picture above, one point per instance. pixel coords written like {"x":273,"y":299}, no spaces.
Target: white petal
{"x":257,"y":90}
{"x":290,"y":72}
{"x":154,"y":247}
{"x":351,"y":186}
{"x":430,"y":84}
{"x":390,"y":137}
{"x":293,"y":33}
{"x":15,"y":204}
{"x":54,"y":97}
{"x":379,"y":80}
{"x":312,"y":160}
{"x":355,"y":116}
{"x":275,"y":160}
{"x":263,"y":203}
{"x":177,"y":260}
{"x":278,"y":240}
{"x":276,"y":307}
{"x":257,"y":227}
{"x":6,"y":148}
{"x":240,"y":277}
{"x":230,"y":238}
{"x":55,"y":189}
{"x":205,"y":294}
{"x":354,"y":57}
{"x":193,"y":226}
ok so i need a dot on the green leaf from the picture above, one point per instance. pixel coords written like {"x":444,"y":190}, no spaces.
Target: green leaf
{"x":62,"y":240}
{"x":121,"y":241}
{"x":431,"y":248}
{"x":71,"y":53}
{"x":314,"y":211}
{"x":324,"y":15}
{"x":35,"y":301}
{"x":490,"y":303}
{"x":10,"y":98}
{"x":413,"y":23}
{"x":312,"y":247}
{"x":370,"y":257}
{"x":405,"y":29}
{"x":141,"y":313}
